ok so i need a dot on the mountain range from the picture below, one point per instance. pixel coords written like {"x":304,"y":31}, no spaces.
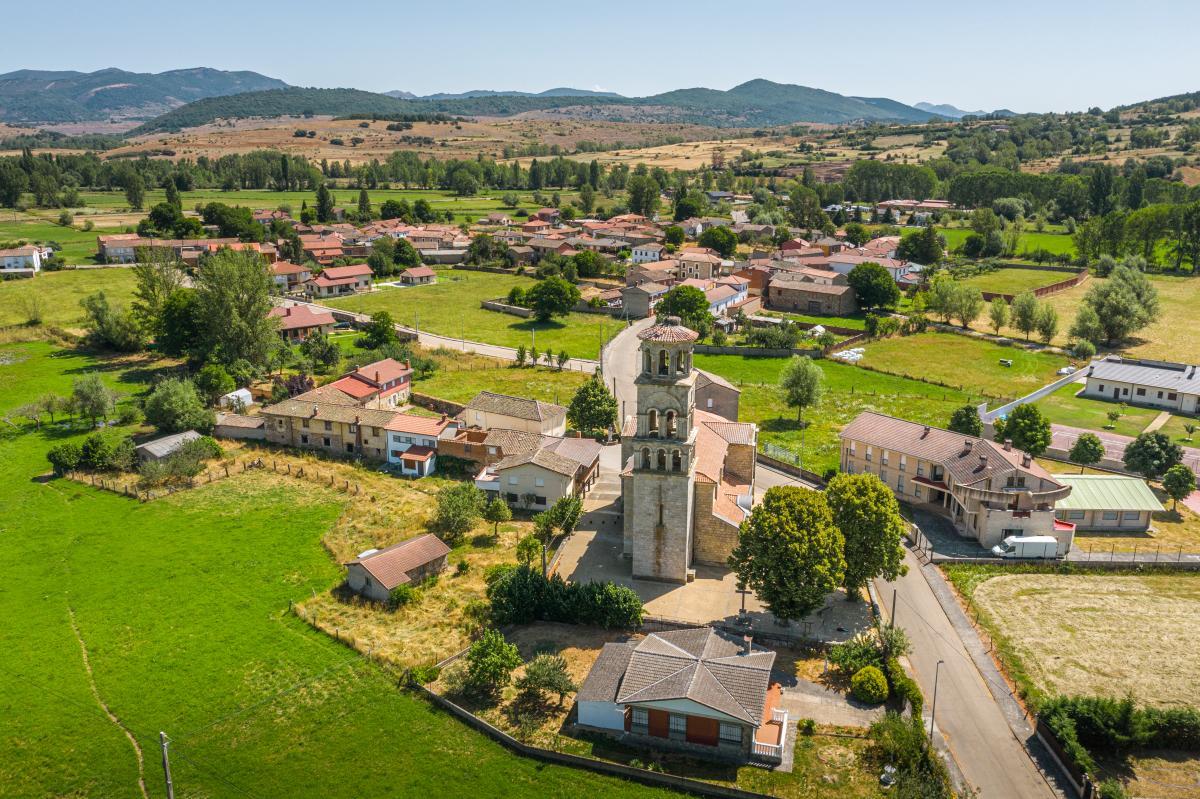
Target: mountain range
{"x":756,"y":103}
{"x":29,"y":95}
{"x":950,"y":112}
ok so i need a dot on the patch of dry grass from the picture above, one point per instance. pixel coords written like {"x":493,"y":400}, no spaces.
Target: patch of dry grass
{"x":1157,"y":775}
{"x":1101,"y":634}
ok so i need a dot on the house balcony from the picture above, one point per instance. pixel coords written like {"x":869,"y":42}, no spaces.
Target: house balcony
{"x":771,"y":735}
{"x":487,"y":480}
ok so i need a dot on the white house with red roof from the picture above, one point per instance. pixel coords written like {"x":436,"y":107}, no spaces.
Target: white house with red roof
{"x":289,"y":276}
{"x":382,"y":384}
{"x":412,"y":441}
{"x":337,"y":281}
{"x":418,"y":276}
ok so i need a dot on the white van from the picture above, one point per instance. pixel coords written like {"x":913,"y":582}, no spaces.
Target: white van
{"x":1032,"y":546}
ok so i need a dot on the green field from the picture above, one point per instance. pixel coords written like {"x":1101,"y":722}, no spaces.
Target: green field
{"x":76,"y":246}
{"x":1053,"y":242}
{"x":1014,"y":281}
{"x":450,"y":307}
{"x":856,"y":322}
{"x":1063,"y":407}
{"x":182,"y":604}
{"x":59,"y":293}
{"x":972,"y":364}
{"x":849,"y":390}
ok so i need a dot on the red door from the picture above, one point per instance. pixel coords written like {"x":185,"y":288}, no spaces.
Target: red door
{"x":702,"y":731}
{"x":660,"y":723}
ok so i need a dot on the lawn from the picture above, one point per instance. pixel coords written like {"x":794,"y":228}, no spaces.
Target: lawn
{"x":849,"y":390}
{"x":77,"y":246}
{"x":972,"y":364}
{"x":1063,"y":407}
{"x":856,"y":322}
{"x":463,"y":375}
{"x":451,"y":307}
{"x":1056,"y":243}
{"x":182,"y":604}
{"x":1175,"y":429}
{"x":58,"y":294}
{"x":1014,"y":281}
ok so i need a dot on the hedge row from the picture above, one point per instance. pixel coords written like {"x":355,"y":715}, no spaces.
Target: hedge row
{"x":520,"y":595}
{"x":1087,"y":724}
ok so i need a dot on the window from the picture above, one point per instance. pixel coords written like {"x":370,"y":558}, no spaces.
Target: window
{"x":1075,"y":514}
{"x":710,"y":402}
{"x":279,"y":423}
{"x":1141,"y":392}
{"x":353,"y":428}
{"x":325,"y":440}
{"x":329,"y":425}
{"x":349,"y":447}
{"x":869,"y":453}
{"x":851,"y":447}
{"x":679,"y":724}
{"x":731,"y":733}
{"x":1131,"y":515}
{"x":916,"y":491}
{"x":883,"y":457}
{"x":1160,"y":395}
{"x":920,"y":469}
{"x":510,"y":498}
{"x":1172,"y":396}
{"x":539,"y":500}
{"x":375,"y":431}
{"x":1110,"y":515}
{"x":883,"y":475}
{"x":512,"y":479}
{"x":900,"y":484}
{"x":303,"y":439}
{"x":1101,"y":386}
{"x":491,"y":450}
{"x":303,"y":423}
{"x":904,"y":463}
{"x":539,"y":482}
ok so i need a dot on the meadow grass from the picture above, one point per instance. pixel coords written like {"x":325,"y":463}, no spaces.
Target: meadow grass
{"x":182,"y":604}
{"x":1063,"y":407}
{"x":849,"y":390}
{"x":1014,"y":281}
{"x":970,"y":363}
{"x":451,"y":307}
{"x":1030,"y":240}
{"x":57,"y":294}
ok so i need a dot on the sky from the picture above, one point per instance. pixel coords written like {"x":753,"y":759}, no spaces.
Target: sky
{"x":1022,"y":55}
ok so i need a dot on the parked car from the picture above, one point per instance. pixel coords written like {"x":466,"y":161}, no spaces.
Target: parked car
{"x":1029,"y":546}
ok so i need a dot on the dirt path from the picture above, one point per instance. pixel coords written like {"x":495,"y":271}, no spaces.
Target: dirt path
{"x":87,"y":667}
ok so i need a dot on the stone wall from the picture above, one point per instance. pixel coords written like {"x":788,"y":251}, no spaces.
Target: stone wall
{"x":715,"y":537}
{"x":660,"y":552}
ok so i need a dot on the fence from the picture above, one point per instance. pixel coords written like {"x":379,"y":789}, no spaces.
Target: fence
{"x":1042,"y":291}
{"x":754,"y":352}
{"x":504,"y":307}
{"x":788,"y":462}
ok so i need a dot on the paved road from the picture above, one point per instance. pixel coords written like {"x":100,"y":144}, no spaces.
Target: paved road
{"x":969,"y":717}
{"x":1063,"y":437}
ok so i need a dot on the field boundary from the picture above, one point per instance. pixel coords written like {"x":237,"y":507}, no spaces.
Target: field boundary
{"x":1041,"y":291}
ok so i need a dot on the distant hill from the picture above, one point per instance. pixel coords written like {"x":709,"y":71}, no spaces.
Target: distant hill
{"x":950,"y":112}
{"x":30,"y":96}
{"x":475,"y":93}
{"x":756,"y":103}
{"x":401,"y":95}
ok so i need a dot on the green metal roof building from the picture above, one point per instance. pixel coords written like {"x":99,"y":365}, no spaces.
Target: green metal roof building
{"x":1111,"y":502}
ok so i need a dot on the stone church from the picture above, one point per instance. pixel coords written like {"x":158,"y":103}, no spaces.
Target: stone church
{"x":688,"y":476}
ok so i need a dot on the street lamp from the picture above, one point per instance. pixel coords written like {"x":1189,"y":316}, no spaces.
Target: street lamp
{"x":933,"y":710}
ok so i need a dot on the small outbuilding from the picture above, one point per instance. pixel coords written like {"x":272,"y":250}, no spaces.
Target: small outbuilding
{"x":164,"y":447}
{"x":238,"y":398}
{"x":376,"y":572}
{"x":1103,"y":502}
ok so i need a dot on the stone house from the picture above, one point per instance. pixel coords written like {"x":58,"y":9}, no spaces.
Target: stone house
{"x":488,"y":409}
{"x":376,"y":572}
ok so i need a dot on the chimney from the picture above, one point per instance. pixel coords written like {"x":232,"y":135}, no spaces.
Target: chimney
{"x":968,"y":444}
{"x":925,"y":432}
{"x":1008,"y":445}
{"x":1026,"y":459}
{"x":314,"y":410}
{"x":578,"y":434}
{"x":746,"y":644}
{"x":982,"y":460}
{"x":407,"y":364}
{"x":376,"y":375}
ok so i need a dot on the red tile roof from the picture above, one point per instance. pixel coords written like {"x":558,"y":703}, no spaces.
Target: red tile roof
{"x":418,"y":425}
{"x":389,"y":566}
{"x":299,"y":317}
{"x":341,"y":272}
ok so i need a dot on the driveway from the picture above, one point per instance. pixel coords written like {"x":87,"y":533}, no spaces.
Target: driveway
{"x":808,"y":700}
{"x":976,"y":714}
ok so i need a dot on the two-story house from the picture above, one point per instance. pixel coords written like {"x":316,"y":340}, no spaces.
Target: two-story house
{"x":988,"y":491}
{"x":382,"y":384}
{"x":413,"y":442}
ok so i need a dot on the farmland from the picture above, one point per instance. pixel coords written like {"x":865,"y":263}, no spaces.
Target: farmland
{"x":451,"y":308}
{"x":972,"y":364}
{"x":1014,"y":281}
{"x":1056,"y":243}
{"x":57,"y":295}
{"x":848,"y":391}
{"x":189,"y":595}
{"x":460,"y":376}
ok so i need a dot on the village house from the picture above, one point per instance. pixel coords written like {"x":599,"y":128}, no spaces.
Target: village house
{"x":337,"y":281}
{"x":496,"y":218}
{"x":717,"y":395}
{"x":21,"y":261}
{"x":537,"y":477}
{"x":811,"y":291}
{"x":290,"y":277}
{"x":381,"y":384}
{"x":328,"y":420}
{"x":703,"y":266}
{"x":413,"y":442}
{"x":536,"y":227}
{"x":1107,"y":503}
{"x":638,"y":301}
{"x":647,"y":253}
{"x":988,"y":491}
{"x":1139,"y":381}
{"x":844,"y":263}
{"x":664,"y":272}
{"x":418,"y":276}
{"x":488,"y":409}
{"x":692,"y":689}
{"x":374,"y":573}
{"x":298,"y":322}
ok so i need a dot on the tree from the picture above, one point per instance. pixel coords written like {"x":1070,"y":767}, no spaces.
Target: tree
{"x":64,"y":458}
{"x":322,"y":351}
{"x":1124,"y":304}
{"x":174,"y":406}
{"x":546,"y":673}
{"x":589,"y":264}
{"x":1024,"y":313}
{"x":866,"y":513}
{"x":690,"y":305}
{"x":1087,"y":327}
{"x":405,"y":255}
{"x":324,"y":204}
{"x":924,"y":248}
{"x":1179,"y":482}
{"x":790,"y":552}
{"x":1152,"y":455}
{"x":873,"y":286}
{"x":966,"y":421}
{"x":1087,"y":450}
{"x":111,"y":326}
{"x":233,"y":298}
{"x":380,"y":332}
{"x":967,"y":304}
{"x":643,"y":195}
{"x":942,"y":294}
{"x":528,"y":548}
{"x":802,"y":382}
{"x":1027,"y":428}
{"x":497,"y":511}
{"x":1046,"y":322}
{"x":721,"y":239}
{"x":857,"y":234}
{"x":92,"y":399}
{"x":213,"y":382}
{"x":490,"y":662}
{"x":135,"y":190}
{"x":673,"y":235}
{"x":179,"y":323}
{"x":998,"y":314}
{"x":552,"y":297}
{"x":543,"y":531}
{"x":458,"y":508}
{"x":157,"y":275}
{"x":593,"y":408}
{"x":364,"y":205}
{"x":13,"y":182}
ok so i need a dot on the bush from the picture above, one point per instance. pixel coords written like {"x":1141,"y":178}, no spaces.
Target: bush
{"x":1112,"y":789}
{"x":806,"y":726}
{"x":128,"y":414}
{"x":403,"y":595}
{"x":1082,"y":349}
{"x":64,"y":458}
{"x":462,"y":567}
{"x":423,"y":675}
{"x":856,"y":654}
{"x":904,"y":687}
{"x":869,"y":685}
{"x":520,"y":595}
{"x":902,"y":743}
{"x":490,"y":662}
{"x":546,"y":674}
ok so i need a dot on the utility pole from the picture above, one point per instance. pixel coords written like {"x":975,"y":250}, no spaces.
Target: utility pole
{"x":933,"y":709}
{"x":165,"y":743}
{"x":893,"y":607}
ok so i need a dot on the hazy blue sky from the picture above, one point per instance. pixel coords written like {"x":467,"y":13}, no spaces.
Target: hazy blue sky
{"x":1020,"y":54}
